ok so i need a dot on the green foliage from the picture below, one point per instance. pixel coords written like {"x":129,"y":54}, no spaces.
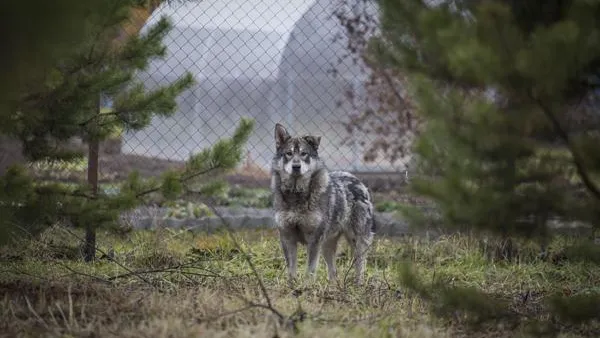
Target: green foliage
{"x":36,"y":205}
{"x":452,"y":300}
{"x":225,"y":154}
{"x":208,"y":275}
{"x":583,"y":252}
{"x":35,"y":35}
{"x":580,"y":308}
{"x":171,"y":186}
{"x":216,"y":187}
{"x":183,"y":210}
{"x":510,"y":134}
{"x":65,"y":103}
{"x":510,"y":163}
{"x":387,"y":206}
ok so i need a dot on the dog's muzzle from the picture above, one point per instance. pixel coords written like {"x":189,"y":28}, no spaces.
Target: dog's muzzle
{"x":296,"y":169}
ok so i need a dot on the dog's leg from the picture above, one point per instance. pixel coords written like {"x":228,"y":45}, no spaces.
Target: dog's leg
{"x":290,"y":250}
{"x":361,"y":247}
{"x":313,"y":249}
{"x":329,"y":253}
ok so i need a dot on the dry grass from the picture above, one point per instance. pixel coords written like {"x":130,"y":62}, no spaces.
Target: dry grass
{"x":167,"y":283}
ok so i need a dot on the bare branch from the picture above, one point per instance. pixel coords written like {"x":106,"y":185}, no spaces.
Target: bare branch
{"x":261,"y":284}
{"x":113,"y":260}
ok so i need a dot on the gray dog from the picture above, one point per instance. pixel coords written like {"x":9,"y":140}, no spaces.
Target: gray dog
{"x":315,"y":207}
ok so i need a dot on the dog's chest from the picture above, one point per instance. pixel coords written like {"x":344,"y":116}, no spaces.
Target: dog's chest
{"x":303,"y":210}
{"x":305,"y":222}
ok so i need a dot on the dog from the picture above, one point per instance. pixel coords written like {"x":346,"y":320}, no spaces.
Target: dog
{"x":316,"y":207}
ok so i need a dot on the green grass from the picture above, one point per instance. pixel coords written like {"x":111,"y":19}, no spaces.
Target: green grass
{"x":76,"y":165}
{"x":388,"y":206}
{"x":183,"y":284}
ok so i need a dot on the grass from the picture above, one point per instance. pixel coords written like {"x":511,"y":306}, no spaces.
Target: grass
{"x":167,"y":283}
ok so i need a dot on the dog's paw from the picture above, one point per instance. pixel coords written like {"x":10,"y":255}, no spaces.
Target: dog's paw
{"x":292,"y":282}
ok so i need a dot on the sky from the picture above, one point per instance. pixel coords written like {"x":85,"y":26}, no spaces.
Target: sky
{"x":273,"y":15}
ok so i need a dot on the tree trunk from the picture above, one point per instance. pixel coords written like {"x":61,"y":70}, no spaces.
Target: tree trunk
{"x":89,"y":251}
{"x":138,"y":18}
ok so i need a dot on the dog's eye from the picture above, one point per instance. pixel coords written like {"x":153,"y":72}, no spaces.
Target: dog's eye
{"x":303,"y":153}
{"x":289,"y":153}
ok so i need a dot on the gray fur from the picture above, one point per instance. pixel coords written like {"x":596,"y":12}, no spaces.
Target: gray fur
{"x":316,"y":207}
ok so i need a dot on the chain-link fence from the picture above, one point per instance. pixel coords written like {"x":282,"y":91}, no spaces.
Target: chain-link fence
{"x":289,"y":62}
{"x":272,"y":61}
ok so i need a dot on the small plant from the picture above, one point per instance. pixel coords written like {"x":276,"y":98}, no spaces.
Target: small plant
{"x":388,"y":206}
{"x":45,"y":165}
{"x":214,"y":245}
{"x":184,"y":209}
{"x":247,"y":197}
{"x":202,"y":276}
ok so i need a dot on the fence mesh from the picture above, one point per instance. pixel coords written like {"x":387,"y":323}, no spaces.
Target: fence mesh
{"x":269,"y":60}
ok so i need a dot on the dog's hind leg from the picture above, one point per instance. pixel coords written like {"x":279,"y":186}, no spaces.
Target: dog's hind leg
{"x":361,"y":248}
{"x":329,"y":253}
{"x":362,"y":237}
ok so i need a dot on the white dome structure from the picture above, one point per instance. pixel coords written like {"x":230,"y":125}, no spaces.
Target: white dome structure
{"x":269,"y":60}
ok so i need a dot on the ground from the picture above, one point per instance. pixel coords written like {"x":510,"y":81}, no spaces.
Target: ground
{"x":168,"y":283}
{"x":176,"y":283}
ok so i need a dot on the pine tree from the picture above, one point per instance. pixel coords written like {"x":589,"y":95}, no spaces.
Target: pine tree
{"x":35,"y":34}
{"x":505,"y":90}
{"x":67,"y":105}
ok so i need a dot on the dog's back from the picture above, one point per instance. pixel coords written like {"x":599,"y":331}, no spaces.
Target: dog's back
{"x":351,"y":206}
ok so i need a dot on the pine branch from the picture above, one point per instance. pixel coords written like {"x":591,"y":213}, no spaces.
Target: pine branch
{"x":577,"y":158}
{"x":181,"y":180}
{"x":41,"y":191}
{"x":97,"y":116}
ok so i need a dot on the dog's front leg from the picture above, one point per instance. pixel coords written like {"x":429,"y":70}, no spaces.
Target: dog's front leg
{"x":329,"y":253}
{"x":313,"y":250}
{"x":289,"y":246}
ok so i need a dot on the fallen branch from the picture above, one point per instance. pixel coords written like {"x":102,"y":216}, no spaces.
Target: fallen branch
{"x":174,"y":268}
{"x":269,"y":305}
{"x":113,"y":260}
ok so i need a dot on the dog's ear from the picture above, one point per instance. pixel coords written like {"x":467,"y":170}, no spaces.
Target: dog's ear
{"x":281,"y":135}
{"x":314,"y":141}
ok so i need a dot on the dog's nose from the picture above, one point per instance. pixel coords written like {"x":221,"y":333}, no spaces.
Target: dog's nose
{"x":296,"y":167}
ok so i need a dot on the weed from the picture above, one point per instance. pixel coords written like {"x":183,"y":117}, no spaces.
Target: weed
{"x":179,"y":283}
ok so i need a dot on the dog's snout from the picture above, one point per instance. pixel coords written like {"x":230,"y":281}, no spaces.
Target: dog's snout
{"x":296,"y":167}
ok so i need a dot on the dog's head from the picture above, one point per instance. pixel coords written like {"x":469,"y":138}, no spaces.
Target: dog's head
{"x":295,"y":156}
